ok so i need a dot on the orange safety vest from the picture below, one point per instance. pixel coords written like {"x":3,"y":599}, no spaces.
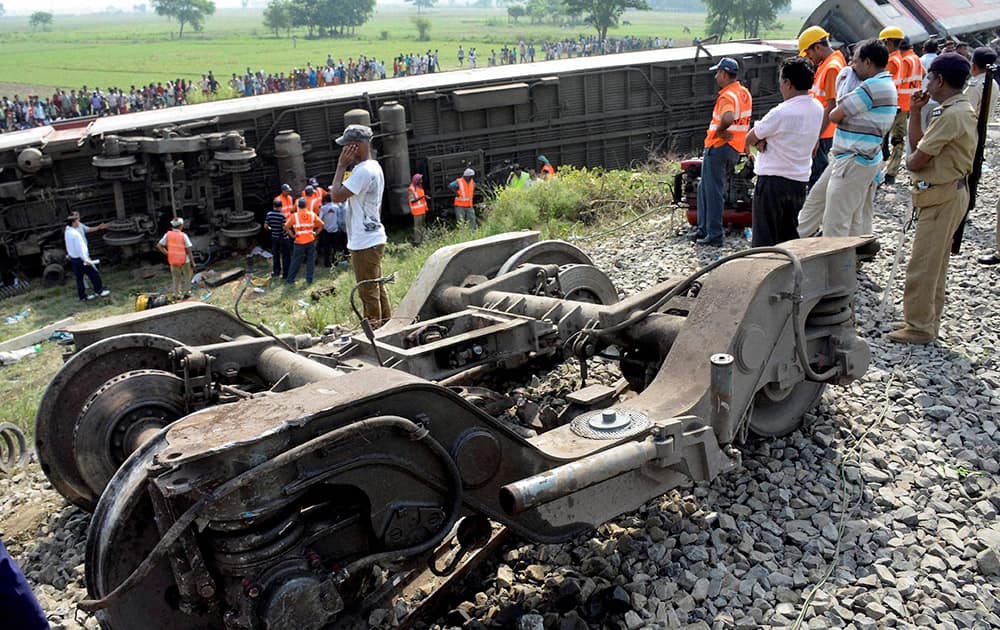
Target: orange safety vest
{"x":313,"y":203}
{"x":897,"y":67}
{"x":912,"y":78}
{"x":176,"y":251}
{"x":418,"y":201}
{"x":548,"y":171}
{"x":832,"y":65}
{"x":287,"y":203}
{"x":317,"y":194}
{"x":466,"y":190}
{"x":304,"y":224}
{"x":739,"y":97}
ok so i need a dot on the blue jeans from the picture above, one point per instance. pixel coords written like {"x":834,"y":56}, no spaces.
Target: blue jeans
{"x":299,"y":251}
{"x":79,"y":270}
{"x":716,"y":164}
{"x":820,"y":160}
{"x":18,"y":603}
{"x":281,"y":256}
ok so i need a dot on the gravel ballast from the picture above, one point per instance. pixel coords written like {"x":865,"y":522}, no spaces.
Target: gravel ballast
{"x":881,"y":510}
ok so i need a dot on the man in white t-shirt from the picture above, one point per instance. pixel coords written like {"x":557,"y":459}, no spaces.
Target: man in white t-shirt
{"x":366,"y":239}
{"x":785,"y":139}
{"x":78,"y":252}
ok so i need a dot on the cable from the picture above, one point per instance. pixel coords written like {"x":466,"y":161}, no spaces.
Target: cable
{"x":842,"y":487}
{"x":247,"y":279}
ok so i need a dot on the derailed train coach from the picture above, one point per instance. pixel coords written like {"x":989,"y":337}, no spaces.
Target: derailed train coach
{"x":973,"y":21}
{"x":219,"y":164}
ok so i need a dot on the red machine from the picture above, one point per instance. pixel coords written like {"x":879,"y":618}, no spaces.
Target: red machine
{"x":738,"y":194}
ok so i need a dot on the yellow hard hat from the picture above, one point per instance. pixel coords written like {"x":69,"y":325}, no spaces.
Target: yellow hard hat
{"x":892,"y":32}
{"x":809,"y":37}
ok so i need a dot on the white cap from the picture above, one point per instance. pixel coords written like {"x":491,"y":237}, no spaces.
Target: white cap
{"x":177,"y":222}
{"x":469,"y":173}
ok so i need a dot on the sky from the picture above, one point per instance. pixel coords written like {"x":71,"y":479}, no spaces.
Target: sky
{"x":92,"y":6}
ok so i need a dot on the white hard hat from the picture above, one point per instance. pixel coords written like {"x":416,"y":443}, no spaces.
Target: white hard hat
{"x":177,"y":222}
{"x":469,"y":173}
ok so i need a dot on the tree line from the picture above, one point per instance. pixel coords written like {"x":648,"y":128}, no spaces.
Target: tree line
{"x":319,"y":17}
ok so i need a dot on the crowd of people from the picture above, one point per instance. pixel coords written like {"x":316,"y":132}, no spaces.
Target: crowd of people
{"x":24,"y":112}
{"x":842,"y":130}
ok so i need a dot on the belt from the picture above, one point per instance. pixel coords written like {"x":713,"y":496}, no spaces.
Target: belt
{"x":958,"y":183}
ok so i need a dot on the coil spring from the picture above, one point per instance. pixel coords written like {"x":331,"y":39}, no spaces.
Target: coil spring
{"x":830,"y":312}
{"x":13,"y":448}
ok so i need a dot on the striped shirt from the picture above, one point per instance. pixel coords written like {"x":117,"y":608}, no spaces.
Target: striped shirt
{"x":275,"y":221}
{"x":870,"y":110}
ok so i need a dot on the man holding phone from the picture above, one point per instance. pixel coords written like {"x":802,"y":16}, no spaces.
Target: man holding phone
{"x":366,"y":238}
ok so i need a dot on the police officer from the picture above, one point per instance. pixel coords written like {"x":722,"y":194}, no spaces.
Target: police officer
{"x":940,"y":164}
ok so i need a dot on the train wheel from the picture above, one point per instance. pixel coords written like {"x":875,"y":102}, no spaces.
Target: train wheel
{"x":778,"y":412}
{"x":86,"y":372}
{"x":546,"y":253}
{"x":586,"y":283}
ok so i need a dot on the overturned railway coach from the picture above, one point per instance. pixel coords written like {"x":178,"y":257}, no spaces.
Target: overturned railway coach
{"x":218,"y":164}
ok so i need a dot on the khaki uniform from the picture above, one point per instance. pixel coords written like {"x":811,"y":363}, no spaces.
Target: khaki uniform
{"x":942,"y":197}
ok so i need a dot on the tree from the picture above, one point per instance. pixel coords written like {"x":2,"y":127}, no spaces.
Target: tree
{"x":515,"y":12}
{"x":603,"y":14}
{"x":541,"y":11}
{"x":40,"y":20}
{"x":278,"y":16}
{"x":422,"y":4}
{"x":423,"y":28}
{"x":190,"y":12}
{"x":752,"y":17}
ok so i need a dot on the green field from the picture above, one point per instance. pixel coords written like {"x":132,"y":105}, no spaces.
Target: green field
{"x":134,"y":49}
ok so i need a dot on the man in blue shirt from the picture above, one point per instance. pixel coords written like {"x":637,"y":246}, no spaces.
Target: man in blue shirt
{"x":281,"y":246}
{"x":333,"y":238}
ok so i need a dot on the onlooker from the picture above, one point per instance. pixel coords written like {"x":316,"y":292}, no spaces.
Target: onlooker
{"x":333,"y":238}
{"x":465,"y":191}
{"x":841,"y":200}
{"x":418,"y":206}
{"x":281,"y":245}
{"x":982,"y":58}
{"x":302,"y":226}
{"x":724,"y":142}
{"x":940,"y":165}
{"x":366,"y":238}
{"x":176,"y":246}
{"x":785,"y":138}
{"x":78,"y":252}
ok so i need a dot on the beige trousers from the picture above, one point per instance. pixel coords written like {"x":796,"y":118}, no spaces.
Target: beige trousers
{"x":897,"y":143}
{"x":367,"y":264}
{"x":418,"y":228}
{"x":840,"y":202}
{"x":941,"y":211}
{"x":180,"y":276}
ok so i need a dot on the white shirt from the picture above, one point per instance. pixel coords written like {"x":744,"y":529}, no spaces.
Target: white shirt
{"x":847,"y":81}
{"x":367,"y":183}
{"x":76,"y":244}
{"x":791,"y":129}
{"x":974,"y":90}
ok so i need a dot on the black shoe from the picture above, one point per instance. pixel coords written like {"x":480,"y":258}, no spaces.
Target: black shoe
{"x":715,"y":242}
{"x":695,"y":235}
{"x":992,"y":259}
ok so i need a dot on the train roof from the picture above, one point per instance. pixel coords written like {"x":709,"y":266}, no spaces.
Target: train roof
{"x":854,"y":20}
{"x":427,"y":82}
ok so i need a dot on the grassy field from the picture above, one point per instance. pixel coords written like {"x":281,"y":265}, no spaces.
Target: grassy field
{"x":577,"y":202}
{"x":133,"y":49}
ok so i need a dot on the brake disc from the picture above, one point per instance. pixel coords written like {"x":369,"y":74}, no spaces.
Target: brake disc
{"x":122,"y":415}
{"x":546,"y":253}
{"x":586,"y":283}
{"x":68,"y":392}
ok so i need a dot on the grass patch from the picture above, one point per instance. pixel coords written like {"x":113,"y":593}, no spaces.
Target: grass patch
{"x":578,"y":201}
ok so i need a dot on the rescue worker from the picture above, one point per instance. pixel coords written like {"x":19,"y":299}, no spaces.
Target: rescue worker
{"x":314,"y":199}
{"x":892,"y":148}
{"x":287,"y":200}
{"x":465,"y":191}
{"x":366,"y":239}
{"x":814,"y":45}
{"x":518,"y":178}
{"x":841,"y":199}
{"x":281,"y":245}
{"x":982,"y":58}
{"x":418,"y":206}
{"x":940,"y":164}
{"x":785,"y":139}
{"x":546,"y":171}
{"x":302,"y":226}
{"x":176,"y":246}
{"x":724,"y":142}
